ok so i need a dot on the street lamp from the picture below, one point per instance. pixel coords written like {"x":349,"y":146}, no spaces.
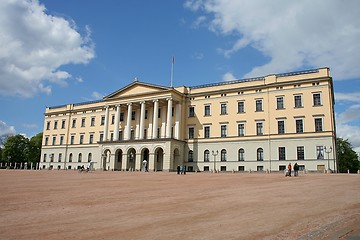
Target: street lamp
{"x":328,"y":151}
{"x":215,"y":153}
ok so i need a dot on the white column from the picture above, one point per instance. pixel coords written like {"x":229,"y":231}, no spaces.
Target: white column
{"x":163,"y":122}
{"x":169,"y":117}
{"x":150,"y":127}
{"x":128,"y":122}
{"x":155,"y":118}
{"x":106,"y":127}
{"x":177,"y":121}
{"x":117,"y":120}
{"x":142,"y":120}
{"x":137,"y":128}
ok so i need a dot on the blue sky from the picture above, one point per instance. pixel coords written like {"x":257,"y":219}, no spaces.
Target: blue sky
{"x":59,"y":52}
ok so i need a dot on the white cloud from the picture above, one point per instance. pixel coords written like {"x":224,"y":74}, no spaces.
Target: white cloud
{"x":352,"y":133}
{"x":6,"y":130}
{"x":96,"y":95}
{"x":34,"y":46}
{"x":198,"y":56}
{"x":228,"y":76}
{"x":293,"y":34}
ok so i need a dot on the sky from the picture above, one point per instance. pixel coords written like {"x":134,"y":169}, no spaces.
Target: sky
{"x":62,"y":52}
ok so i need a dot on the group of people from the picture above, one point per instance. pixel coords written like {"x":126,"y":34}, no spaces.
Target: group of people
{"x":296,"y":170}
{"x":181,"y":169}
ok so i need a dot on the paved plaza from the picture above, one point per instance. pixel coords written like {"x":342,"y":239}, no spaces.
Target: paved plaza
{"x":132,"y":205}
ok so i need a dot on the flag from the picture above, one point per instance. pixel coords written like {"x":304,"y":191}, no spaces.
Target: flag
{"x":173,"y":59}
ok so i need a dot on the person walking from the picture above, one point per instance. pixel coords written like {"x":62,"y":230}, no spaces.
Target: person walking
{"x":289,"y":169}
{"x":296,"y":170}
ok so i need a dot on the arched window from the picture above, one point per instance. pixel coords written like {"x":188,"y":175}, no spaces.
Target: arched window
{"x":89,"y":157}
{"x":80,"y":157}
{"x":260,"y":154}
{"x":70,"y":157}
{"x":206,"y":155}
{"x":223,"y":155}
{"x":241,"y":154}
{"x":191,"y":156}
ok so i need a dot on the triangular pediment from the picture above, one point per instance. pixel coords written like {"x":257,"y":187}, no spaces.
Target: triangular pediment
{"x":137,"y":88}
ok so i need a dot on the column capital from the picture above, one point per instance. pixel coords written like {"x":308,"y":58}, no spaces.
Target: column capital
{"x":156,"y":100}
{"x":169,"y":98}
{"x":129,"y":104}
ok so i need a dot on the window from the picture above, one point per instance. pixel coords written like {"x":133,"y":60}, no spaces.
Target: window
{"x":81,"y":138}
{"x":52,"y":157}
{"x":46,"y":141}
{"x":259,"y":106}
{"x":191,"y":132}
{"x":120,"y":135}
{"x":111,"y":136}
{"x":241,"y":168}
{"x":92,"y":121}
{"x":281,"y":127}
{"x":89,"y":157}
{"x":280,"y":102}
{"x":207,"y":132}
{"x":44,"y":160}
{"x":223,"y":131}
{"x":191,"y":111}
{"x":121,"y":116}
{"x":133,"y":115}
{"x":206,"y":168}
{"x":72,"y":138}
{"x":62,"y":124}
{"x":300,"y":153}
{"x":73,"y":123}
{"x":317,"y":99}
{"x":207,"y":110}
{"x":61,"y":139}
{"x":206,"y":155}
{"x":83,"y":122}
{"x":191,"y":156}
{"x":47,"y":125}
{"x":80,"y":157}
{"x":159,"y":113}
{"x":91,"y":138}
{"x":241,"y":154}
{"x":299,"y":126}
{"x":318,"y":125}
{"x":101,"y":137}
{"x":223,"y":108}
{"x":112,"y":119}
{"x":282,"y":153}
{"x":102,"y":120}
{"x":55,"y":124}
{"x":132,"y":134}
{"x":259,"y":128}
{"x":70,"y":157}
{"x":60,"y":157}
{"x":223,"y":168}
{"x":146,"y":113}
{"x":145,"y":133}
{"x":260,"y":168}
{"x":223,"y":155}
{"x":319,"y":152}
{"x":260,"y":154}
{"x":53,"y":140}
{"x":241,"y":107}
{"x":298,"y":101}
{"x":241,"y":129}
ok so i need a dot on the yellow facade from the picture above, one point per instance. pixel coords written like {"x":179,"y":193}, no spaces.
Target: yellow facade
{"x":258,"y":124}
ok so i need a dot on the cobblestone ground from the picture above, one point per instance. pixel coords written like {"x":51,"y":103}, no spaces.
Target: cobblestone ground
{"x":131,"y":205}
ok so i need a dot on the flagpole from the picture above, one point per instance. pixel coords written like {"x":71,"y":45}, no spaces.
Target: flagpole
{"x":172,"y":72}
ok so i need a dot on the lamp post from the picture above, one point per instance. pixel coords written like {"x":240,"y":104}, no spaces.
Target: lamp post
{"x":328,"y":151}
{"x":215,"y":153}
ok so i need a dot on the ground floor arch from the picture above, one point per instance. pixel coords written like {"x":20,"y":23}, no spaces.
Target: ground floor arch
{"x":118,"y":160}
{"x":131,"y":159}
{"x":158,"y":159}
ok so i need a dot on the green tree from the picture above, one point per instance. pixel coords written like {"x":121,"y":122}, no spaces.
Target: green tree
{"x":347,"y":157}
{"x":15,"y":149}
{"x":34,"y":148}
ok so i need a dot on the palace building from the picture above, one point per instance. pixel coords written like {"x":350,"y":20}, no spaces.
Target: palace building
{"x":256,"y":124}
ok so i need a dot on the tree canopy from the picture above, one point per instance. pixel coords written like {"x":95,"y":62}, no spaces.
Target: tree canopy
{"x":19,"y":149}
{"x":347,"y":157}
